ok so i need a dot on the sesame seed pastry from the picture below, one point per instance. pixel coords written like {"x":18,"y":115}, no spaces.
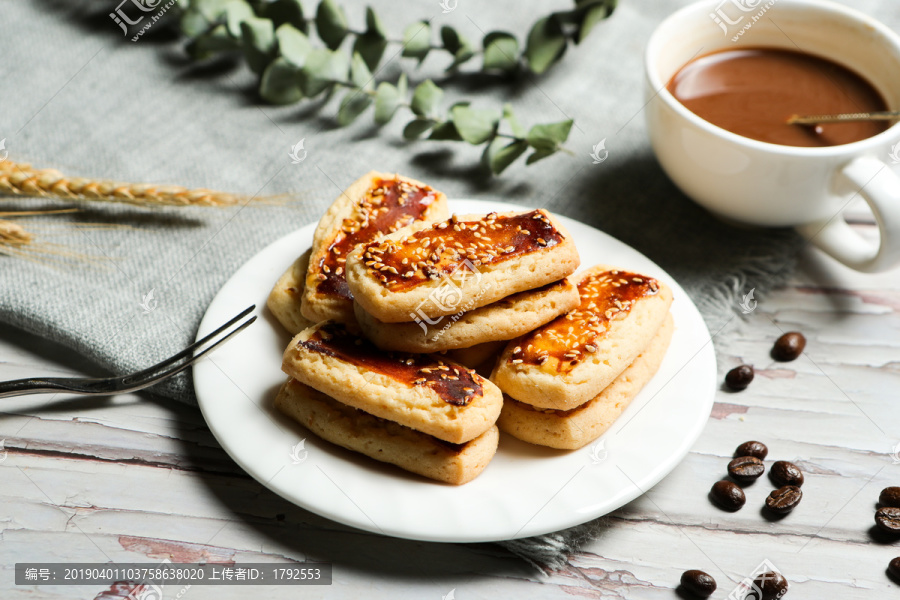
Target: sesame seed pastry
{"x":286,"y":298}
{"x":385,"y":440}
{"x":374,"y":204}
{"x":470,"y":260}
{"x":578,"y":427}
{"x":502,"y":320}
{"x":573,"y":358}
{"x":425,"y":392}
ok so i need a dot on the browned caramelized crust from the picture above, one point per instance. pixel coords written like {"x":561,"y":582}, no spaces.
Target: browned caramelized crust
{"x":445,"y":247}
{"x":568,"y":339}
{"x":453,"y":383}
{"x":388,"y":205}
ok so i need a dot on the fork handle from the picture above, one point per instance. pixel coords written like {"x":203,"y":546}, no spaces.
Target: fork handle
{"x":44,"y":385}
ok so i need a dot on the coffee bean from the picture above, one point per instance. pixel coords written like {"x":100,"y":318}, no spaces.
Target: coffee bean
{"x":789,"y":346}
{"x":757,"y":449}
{"x":888,"y":519}
{"x":727,"y":495}
{"x":784,"y":499}
{"x":698,"y":583}
{"x":785,"y":473}
{"x":894,"y":569}
{"x":771,"y":585}
{"x":739,"y":377}
{"x":746,"y":468}
{"x":890,"y":496}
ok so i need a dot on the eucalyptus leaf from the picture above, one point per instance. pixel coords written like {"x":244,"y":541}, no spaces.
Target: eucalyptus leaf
{"x":286,"y":11}
{"x":402,"y":85}
{"x":371,"y":47}
{"x":211,"y":10}
{"x":258,"y":37}
{"x":593,"y":14}
{"x":279,"y":83}
{"x":374,"y":24}
{"x":417,"y":40}
{"x":515,"y":127}
{"x":331,"y":23}
{"x":426,"y":98}
{"x":387,"y":101}
{"x":501,"y":51}
{"x":451,"y":39}
{"x":415,"y":128}
{"x":464,"y":54}
{"x":193,"y":23}
{"x":499,"y":154}
{"x":352,"y":105}
{"x":445,"y":131}
{"x":549,"y":136}
{"x":539,"y":155}
{"x":546,"y":44}
{"x":293,"y":44}
{"x":475,"y":126}
{"x":359,"y":73}
{"x":323,"y":67}
{"x":236,"y":13}
{"x":212,"y":42}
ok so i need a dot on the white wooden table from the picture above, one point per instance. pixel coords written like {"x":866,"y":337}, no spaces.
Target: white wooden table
{"x":131,"y":480}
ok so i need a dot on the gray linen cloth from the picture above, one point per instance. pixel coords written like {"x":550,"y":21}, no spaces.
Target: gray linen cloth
{"x":80,"y":97}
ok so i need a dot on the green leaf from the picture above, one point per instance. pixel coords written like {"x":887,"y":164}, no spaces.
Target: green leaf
{"x":212,"y":42}
{"x":548,"y":137}
{"x":387,"y":100}
{"x":445,"y":131}
{"x":359,"y":73}
{"x":539,"y":155}
{"x":415,"y":128}
{"x":451,"y":39}
{"x":210,"y":10}
{"x":374,"y":24}
{"x":464,"y":54}
{"x":353,"y":104}
{"x":546,"y":44}
{"x":258,"y":37}
{"x":499,"y":156}
{"x":475,"y":126}
{"x":402,"y":85}
{"x":593,"y":14}
{"x":371,"y":45}
{"x":286,"y":11}
{"x":323,"y":67}
{"x":514,"y":125}
{"x":331,"y":23}
{"x":236,"y":13}
{"x":426,"y":98}
{"x":193,"y":23}
{"x":501,"y":51}
{"x":293,"y":44}
{"x":279,"y":83}
{"x":417,"y":40}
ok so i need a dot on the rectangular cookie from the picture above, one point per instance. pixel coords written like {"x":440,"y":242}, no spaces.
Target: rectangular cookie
{"x":578,"y":427}
{"x":421,"y":391}
{"x":374,"y":204}
{"x":573,"y":358}
{"x":502,"y":320}
{"x":384,"y":440}
{"x":471,"y":260}
{"x":285,"y":300}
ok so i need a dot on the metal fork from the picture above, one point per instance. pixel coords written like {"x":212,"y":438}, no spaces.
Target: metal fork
{"x":95,"y":386}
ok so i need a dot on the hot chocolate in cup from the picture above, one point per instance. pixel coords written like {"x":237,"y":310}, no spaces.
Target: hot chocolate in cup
{"x":766,"y":184}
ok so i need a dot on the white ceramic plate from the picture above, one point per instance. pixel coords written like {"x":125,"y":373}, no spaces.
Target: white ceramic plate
{"x":526,"y":490}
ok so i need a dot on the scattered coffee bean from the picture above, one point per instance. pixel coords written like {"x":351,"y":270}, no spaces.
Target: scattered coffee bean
{"x":771,"y":585}
{"x":785,"y":473}
{"x":789,"y":346}
{"x":757,"y":449}
{"x":890,"y":496}
{"x":893,"y":569}
{"x":746,"y":468}
{"x":727,"y":495}
{"x":888,"y":519}
{"x":739,"y":377}
{"x":784,"y":499}
{"x":698,"y":583}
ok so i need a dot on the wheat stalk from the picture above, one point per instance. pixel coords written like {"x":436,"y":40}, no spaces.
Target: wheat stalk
{"x":21,"y":179}
{"x":16,"y":240}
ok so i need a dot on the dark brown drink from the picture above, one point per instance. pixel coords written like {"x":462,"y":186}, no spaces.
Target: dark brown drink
{"x":753,"y":91}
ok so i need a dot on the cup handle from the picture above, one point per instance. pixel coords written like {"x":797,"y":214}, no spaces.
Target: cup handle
{"x":879,"y":186}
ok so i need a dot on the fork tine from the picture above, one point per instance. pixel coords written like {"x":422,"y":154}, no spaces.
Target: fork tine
{"x":189,"y":351}
{"x":173,"y":370}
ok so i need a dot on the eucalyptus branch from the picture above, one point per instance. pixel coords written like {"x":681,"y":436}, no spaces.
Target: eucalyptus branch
{"x":275,"y":38}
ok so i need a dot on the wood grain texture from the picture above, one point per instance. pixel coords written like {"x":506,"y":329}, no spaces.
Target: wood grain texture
{"x":129,"y":479}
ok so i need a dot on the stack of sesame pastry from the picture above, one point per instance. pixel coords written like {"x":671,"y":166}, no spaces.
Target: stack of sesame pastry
{"x":566,"y":382}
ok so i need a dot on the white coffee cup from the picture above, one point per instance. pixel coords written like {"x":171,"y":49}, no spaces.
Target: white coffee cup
{"x":759,"y":183}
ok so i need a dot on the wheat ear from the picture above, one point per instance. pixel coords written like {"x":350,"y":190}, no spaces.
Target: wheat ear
{"x":23,"y":180}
